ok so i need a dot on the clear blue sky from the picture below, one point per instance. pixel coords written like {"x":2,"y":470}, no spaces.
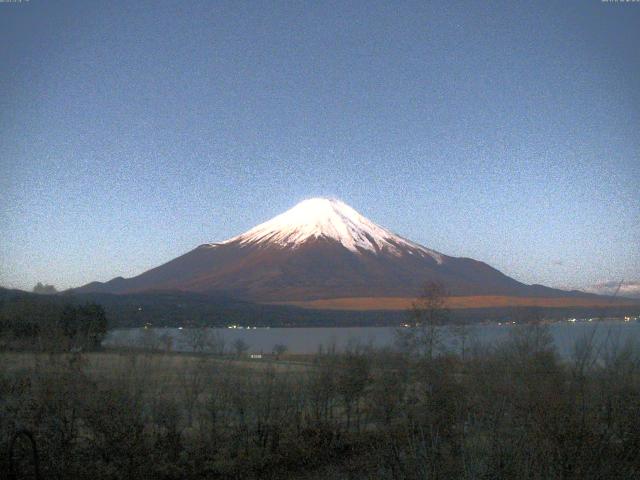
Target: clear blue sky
{"x":133,"y":131}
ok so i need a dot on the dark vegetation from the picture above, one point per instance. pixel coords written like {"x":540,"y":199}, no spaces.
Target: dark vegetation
{"x":511,"y":410}
{"x":45,"y":289}
{"x":34,"y":322}
{"x":176,"y":309}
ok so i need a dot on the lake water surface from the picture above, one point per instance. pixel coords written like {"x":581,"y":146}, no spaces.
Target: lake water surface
{"x":309,"y":340}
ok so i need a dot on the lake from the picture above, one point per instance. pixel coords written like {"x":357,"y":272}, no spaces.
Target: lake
{"x":309,"y":340}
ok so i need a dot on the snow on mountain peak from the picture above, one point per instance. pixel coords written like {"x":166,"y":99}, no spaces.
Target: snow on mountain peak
{"x":330,"y":218}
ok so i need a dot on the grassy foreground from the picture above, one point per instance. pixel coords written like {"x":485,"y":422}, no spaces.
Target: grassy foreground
{"x":510,"y":411}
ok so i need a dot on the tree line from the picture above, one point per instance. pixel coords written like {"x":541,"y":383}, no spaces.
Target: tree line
{"x":509,"y":410}
{"x":35,"y":323}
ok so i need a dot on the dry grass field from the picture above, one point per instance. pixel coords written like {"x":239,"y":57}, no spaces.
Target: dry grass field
{"x":485,"y":301}
{"x":165,"y":368}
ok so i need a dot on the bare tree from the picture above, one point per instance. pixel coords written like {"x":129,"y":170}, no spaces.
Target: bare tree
{"x":193,"y":383}
{"x":426,"y":317}
{"x":167,"y":342}
{"x":218,"y":342}
{"x":199,"y":339}
{"x":240,"y":347}
{"x":352,"y":378}
{"x":279,"y":349}
{"x":150,"y":340}
{"x":463,"y":334}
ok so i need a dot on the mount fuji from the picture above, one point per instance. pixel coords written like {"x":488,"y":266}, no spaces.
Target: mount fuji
{"x":323,"y":253}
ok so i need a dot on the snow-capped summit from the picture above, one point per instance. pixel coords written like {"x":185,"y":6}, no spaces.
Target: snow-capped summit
{"x":320,"y":249}
{"x":330,"y":219}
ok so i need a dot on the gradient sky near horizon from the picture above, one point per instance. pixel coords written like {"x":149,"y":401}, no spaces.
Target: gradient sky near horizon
{"x":131,"y":132}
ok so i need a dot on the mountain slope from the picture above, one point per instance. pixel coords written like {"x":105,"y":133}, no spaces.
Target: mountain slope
{"x":320,"y":249}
